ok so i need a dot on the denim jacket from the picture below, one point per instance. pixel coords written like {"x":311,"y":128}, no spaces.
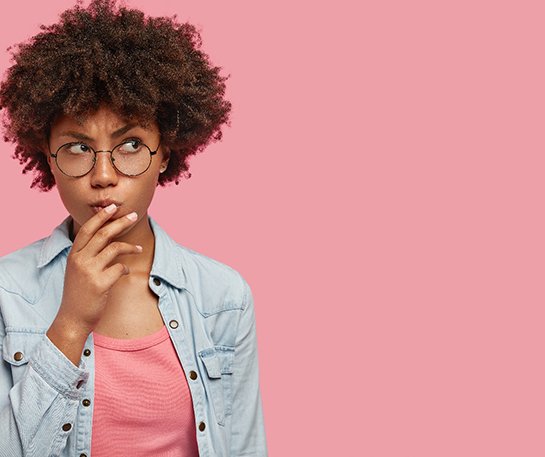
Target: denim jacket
{"x":208,"y":310}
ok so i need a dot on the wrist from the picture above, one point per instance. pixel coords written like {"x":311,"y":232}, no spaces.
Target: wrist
{"x":68,"y":327}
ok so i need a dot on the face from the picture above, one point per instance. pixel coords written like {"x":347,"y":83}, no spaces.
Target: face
{"x":104,"y":130}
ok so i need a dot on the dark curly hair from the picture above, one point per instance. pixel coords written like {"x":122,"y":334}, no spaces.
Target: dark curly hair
{"x":144,"y":68}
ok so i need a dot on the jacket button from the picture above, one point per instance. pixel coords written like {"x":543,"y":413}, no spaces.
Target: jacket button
{"x":202,"y":426}
{"x":86,"y":402}
{"x":173,"y":324}
{"x":87,"y":352}
{"x":79,"y":384}
{"x":157,"y":281}
{"x":18,"y":356}
{"x":193,"y":375}
{"x":66,"y":427}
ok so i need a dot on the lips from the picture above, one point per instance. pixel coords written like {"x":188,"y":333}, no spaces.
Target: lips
{"x":105,"y":202}
{"x":100,"y":204}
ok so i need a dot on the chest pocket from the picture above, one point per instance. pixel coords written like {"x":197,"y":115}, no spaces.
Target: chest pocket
{"x":17,"y":349}
{"x":218,"y":364}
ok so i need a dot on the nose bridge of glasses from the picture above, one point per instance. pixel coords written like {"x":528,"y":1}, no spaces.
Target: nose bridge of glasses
{"x":108,"y":157}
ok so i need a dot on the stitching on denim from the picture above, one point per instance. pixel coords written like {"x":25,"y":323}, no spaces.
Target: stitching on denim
{"x":66,"y":392}
{"x":16,"y":293}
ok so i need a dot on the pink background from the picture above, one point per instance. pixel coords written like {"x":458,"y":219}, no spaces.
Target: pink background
{"x":381,"y":189}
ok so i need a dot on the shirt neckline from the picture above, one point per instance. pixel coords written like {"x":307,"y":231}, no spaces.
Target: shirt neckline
{"x":131,"y":344}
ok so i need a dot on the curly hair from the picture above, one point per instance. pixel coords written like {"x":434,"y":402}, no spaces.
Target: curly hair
{"x":144,"y":68}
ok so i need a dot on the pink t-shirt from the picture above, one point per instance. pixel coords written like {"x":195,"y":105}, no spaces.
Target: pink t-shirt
{"x":142,"y":401}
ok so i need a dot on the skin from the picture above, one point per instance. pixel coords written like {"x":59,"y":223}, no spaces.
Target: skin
{"x":106,"y":278}
{"x":103,"y":181}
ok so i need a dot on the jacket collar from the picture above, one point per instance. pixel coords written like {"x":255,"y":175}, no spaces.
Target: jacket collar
{"x":167,"y":261}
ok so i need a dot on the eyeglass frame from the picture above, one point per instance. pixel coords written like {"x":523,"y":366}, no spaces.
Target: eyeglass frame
{"x":152,"y":153}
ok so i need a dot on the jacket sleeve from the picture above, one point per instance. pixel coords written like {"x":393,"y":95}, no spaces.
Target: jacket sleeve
{"x":35,"y":410}
{"x":248,"y":430}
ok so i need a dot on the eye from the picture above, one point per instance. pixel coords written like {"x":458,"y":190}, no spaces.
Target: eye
{"x":131,"y":146}
{"x":77,"y":148}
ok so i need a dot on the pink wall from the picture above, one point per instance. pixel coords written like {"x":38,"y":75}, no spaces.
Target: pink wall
{"x":381,"y":188}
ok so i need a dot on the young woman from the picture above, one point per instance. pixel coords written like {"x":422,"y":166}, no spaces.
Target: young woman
{"x":117,"y":340}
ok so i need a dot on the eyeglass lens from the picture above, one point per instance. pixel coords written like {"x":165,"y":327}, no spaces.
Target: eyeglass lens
{"x":130,"y":158}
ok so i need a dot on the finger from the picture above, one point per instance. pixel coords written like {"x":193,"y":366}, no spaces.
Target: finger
{"x":115,"y":272}
{"x":104,"y":236}
{"x":90,"y":227}
{"x":112,"y":250}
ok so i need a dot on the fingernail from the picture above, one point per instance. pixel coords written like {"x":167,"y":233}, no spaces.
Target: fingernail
{"x":139,"y":248}
{"x":110,"y":208}
{"x":132,"y":216}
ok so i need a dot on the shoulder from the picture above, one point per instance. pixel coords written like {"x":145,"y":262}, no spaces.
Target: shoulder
{"x":209,"y":266}
{"x":219,"y":285}
{"x":19,"y":272}
{"x":27,"y":271}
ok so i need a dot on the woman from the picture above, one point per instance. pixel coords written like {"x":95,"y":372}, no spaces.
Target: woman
{"x":116,"y":340}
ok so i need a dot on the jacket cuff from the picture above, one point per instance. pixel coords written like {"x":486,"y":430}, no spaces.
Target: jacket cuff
{"x":57,"y":370}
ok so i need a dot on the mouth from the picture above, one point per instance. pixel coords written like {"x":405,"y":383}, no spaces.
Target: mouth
{"x":101,"y":204}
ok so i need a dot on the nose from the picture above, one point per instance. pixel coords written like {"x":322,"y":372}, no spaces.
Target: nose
{"x":103,"y":173}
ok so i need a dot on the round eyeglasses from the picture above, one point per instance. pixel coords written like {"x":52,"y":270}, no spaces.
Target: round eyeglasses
{"x":131,"y":158}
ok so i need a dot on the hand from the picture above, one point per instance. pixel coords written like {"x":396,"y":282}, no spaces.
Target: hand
{"x":88,"y":278}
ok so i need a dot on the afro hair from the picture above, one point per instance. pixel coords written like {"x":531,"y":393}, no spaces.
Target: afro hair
{"x":144,"y":68}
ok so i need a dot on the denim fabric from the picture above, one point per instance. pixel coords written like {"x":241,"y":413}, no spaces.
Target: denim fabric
{"x":208,"y":309}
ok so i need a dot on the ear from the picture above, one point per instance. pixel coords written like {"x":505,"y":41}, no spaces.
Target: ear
{"x":45,"y":151}
{"x":164,"y":162}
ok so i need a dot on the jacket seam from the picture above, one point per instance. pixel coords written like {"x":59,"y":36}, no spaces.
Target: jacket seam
{"x":46,"y":283}
{"x":17,"y":293}
{"x":65,"y":393}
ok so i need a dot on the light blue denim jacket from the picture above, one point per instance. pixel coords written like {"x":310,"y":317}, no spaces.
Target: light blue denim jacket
{"x":208,"y":310}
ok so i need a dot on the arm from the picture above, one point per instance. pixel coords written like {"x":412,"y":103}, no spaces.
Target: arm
{"x":34,"y":409}
{"x":248,"y":431}
{"x":39,"y":404}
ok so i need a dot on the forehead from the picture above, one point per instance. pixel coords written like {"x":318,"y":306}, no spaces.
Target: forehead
{"x":103,"y":119}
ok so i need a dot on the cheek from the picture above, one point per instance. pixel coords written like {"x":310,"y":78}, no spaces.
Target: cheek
{"x":147,"y":191}
{"x":151,"y":182}
{"x":71,"y":193}
{"x":66,"y":196}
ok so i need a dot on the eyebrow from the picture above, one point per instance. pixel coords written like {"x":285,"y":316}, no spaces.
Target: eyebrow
{"x":82,"y":136}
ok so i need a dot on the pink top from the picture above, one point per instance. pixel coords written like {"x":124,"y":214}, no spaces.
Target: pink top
{"x":142,"y":404}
